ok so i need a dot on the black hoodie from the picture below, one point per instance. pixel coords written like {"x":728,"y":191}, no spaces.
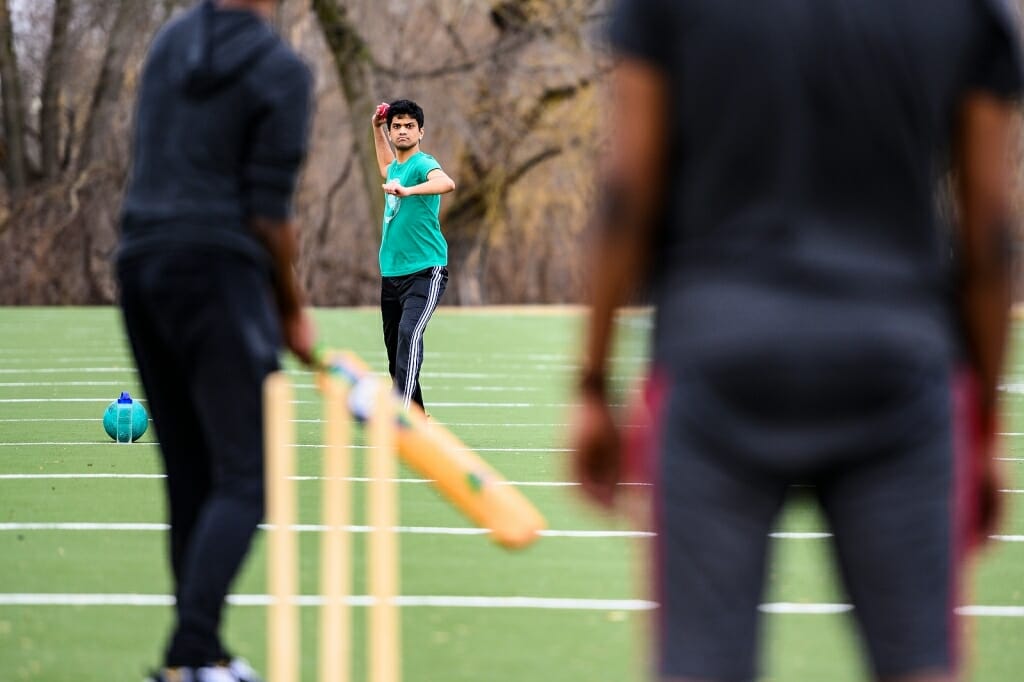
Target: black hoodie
{"x":221,"y":129}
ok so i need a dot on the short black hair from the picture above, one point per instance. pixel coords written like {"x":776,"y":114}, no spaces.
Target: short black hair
{"x":405,"y":107}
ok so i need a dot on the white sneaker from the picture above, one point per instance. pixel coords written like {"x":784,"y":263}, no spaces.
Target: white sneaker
{"x":237,"y":670}
{"x":242,"y":671}
{"x":215,"y":673}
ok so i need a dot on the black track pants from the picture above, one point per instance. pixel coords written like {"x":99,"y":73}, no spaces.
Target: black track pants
{"x":406,"y":304}
{"x":204,"y":334}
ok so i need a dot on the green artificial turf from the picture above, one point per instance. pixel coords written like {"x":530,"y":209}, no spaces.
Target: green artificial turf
{"x":501,"y":380}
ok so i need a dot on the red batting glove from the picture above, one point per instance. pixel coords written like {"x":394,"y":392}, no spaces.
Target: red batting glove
{"x":979,"y":475}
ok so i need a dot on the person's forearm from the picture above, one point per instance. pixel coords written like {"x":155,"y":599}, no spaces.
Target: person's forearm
{"x":441,"y":185}
{"x":985,"y":303}
{"x":383,"y":148}
{"x":610,"y":277}
{"x":985,"y":191}
{"x":616,"y":265}
{"x":630,"y":192}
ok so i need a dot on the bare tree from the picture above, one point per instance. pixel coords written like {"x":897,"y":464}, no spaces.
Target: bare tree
{"x":516,"y":114}
{"x":512,"y":91}
{"x":16,"y":166}
{"x":107,"y":95}
{"x":50,"y":111}
{"x":498,"y":75}
{"x":354,"y":65}
{"x":499,"y":79}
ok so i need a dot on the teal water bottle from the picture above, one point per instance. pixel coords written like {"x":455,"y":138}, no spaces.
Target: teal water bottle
{"x":124,"y":418}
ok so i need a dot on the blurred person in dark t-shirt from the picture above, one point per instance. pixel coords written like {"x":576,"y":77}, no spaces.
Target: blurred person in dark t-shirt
{"x":771,"y":177}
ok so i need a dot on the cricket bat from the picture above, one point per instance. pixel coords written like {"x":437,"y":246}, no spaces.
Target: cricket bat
{"x":459,"y":474}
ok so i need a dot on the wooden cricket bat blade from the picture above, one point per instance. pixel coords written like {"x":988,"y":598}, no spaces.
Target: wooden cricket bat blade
{"x":473,"y":486}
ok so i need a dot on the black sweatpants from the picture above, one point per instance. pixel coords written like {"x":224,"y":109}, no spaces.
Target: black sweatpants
{"x":406,"y":304}
{"x":204,"y":334}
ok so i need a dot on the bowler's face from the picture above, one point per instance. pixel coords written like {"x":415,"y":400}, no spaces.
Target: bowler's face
{"x":405,"y":132}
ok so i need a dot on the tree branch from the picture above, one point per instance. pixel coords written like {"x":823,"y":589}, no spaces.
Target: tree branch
{"x":49,"y":114}
{"x":13,"y":107}
{"x":108,"y":88}
{"x":353,"y":64}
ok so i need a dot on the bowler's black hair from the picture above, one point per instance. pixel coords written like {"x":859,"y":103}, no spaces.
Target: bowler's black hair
{"x":405,"y":107}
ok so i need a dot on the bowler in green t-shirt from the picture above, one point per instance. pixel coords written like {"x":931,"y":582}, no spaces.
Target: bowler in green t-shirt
{"x":413,"y":252}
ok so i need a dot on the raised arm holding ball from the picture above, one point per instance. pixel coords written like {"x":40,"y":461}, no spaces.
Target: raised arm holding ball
{"x":413,"y":251}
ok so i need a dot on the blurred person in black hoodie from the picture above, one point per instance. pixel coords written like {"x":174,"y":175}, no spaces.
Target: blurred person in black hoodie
{"x":208,"y":290}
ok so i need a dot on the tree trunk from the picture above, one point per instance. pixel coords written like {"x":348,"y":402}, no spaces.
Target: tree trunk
{"x":106,"y":96}
{"x":353,"y":63}
{"x":16,"y":168}
{"x":49,"y":115}
{"x":464,"y":228}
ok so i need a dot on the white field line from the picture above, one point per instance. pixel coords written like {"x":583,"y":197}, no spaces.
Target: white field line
{"x":489,"y":389}
{"x":350,"y":447}
{"x":321,"y":421}
{"x":315,"y":402}
{"x":408,"y":530}
{"x":311,"y":421}
{"x":456,"y":601}
{"x":808,"y":609}
{"x":820,"y":609}
{"x":316,"y":528}
{"x":312,"y":386}
{"x":502,"y":425}
{"x":458,"y":370}
{"x":446,"y":424}
{"x":125,"y":446}
{"x":49,"y":421}
{"x":66,"y":370}
{"x":30,"y":384}
{"x":63,"y":400}
{"x":353,"y":479}
{"x":563,"y":604}
{"x":30,"y":477}
{"x":317,"y":445}
{"x":528,"y":370}
{"x":64,"y":359}
{"x":83,"y":354}
{"x":540,"y":368}
{"x":1004,"y":611}
{"x":501,"y":405}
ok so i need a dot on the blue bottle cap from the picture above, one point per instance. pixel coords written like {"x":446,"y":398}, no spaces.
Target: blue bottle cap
{"x":125,"y":397}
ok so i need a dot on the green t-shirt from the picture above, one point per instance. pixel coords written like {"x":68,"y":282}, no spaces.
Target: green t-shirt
{"x":411,"y":238}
